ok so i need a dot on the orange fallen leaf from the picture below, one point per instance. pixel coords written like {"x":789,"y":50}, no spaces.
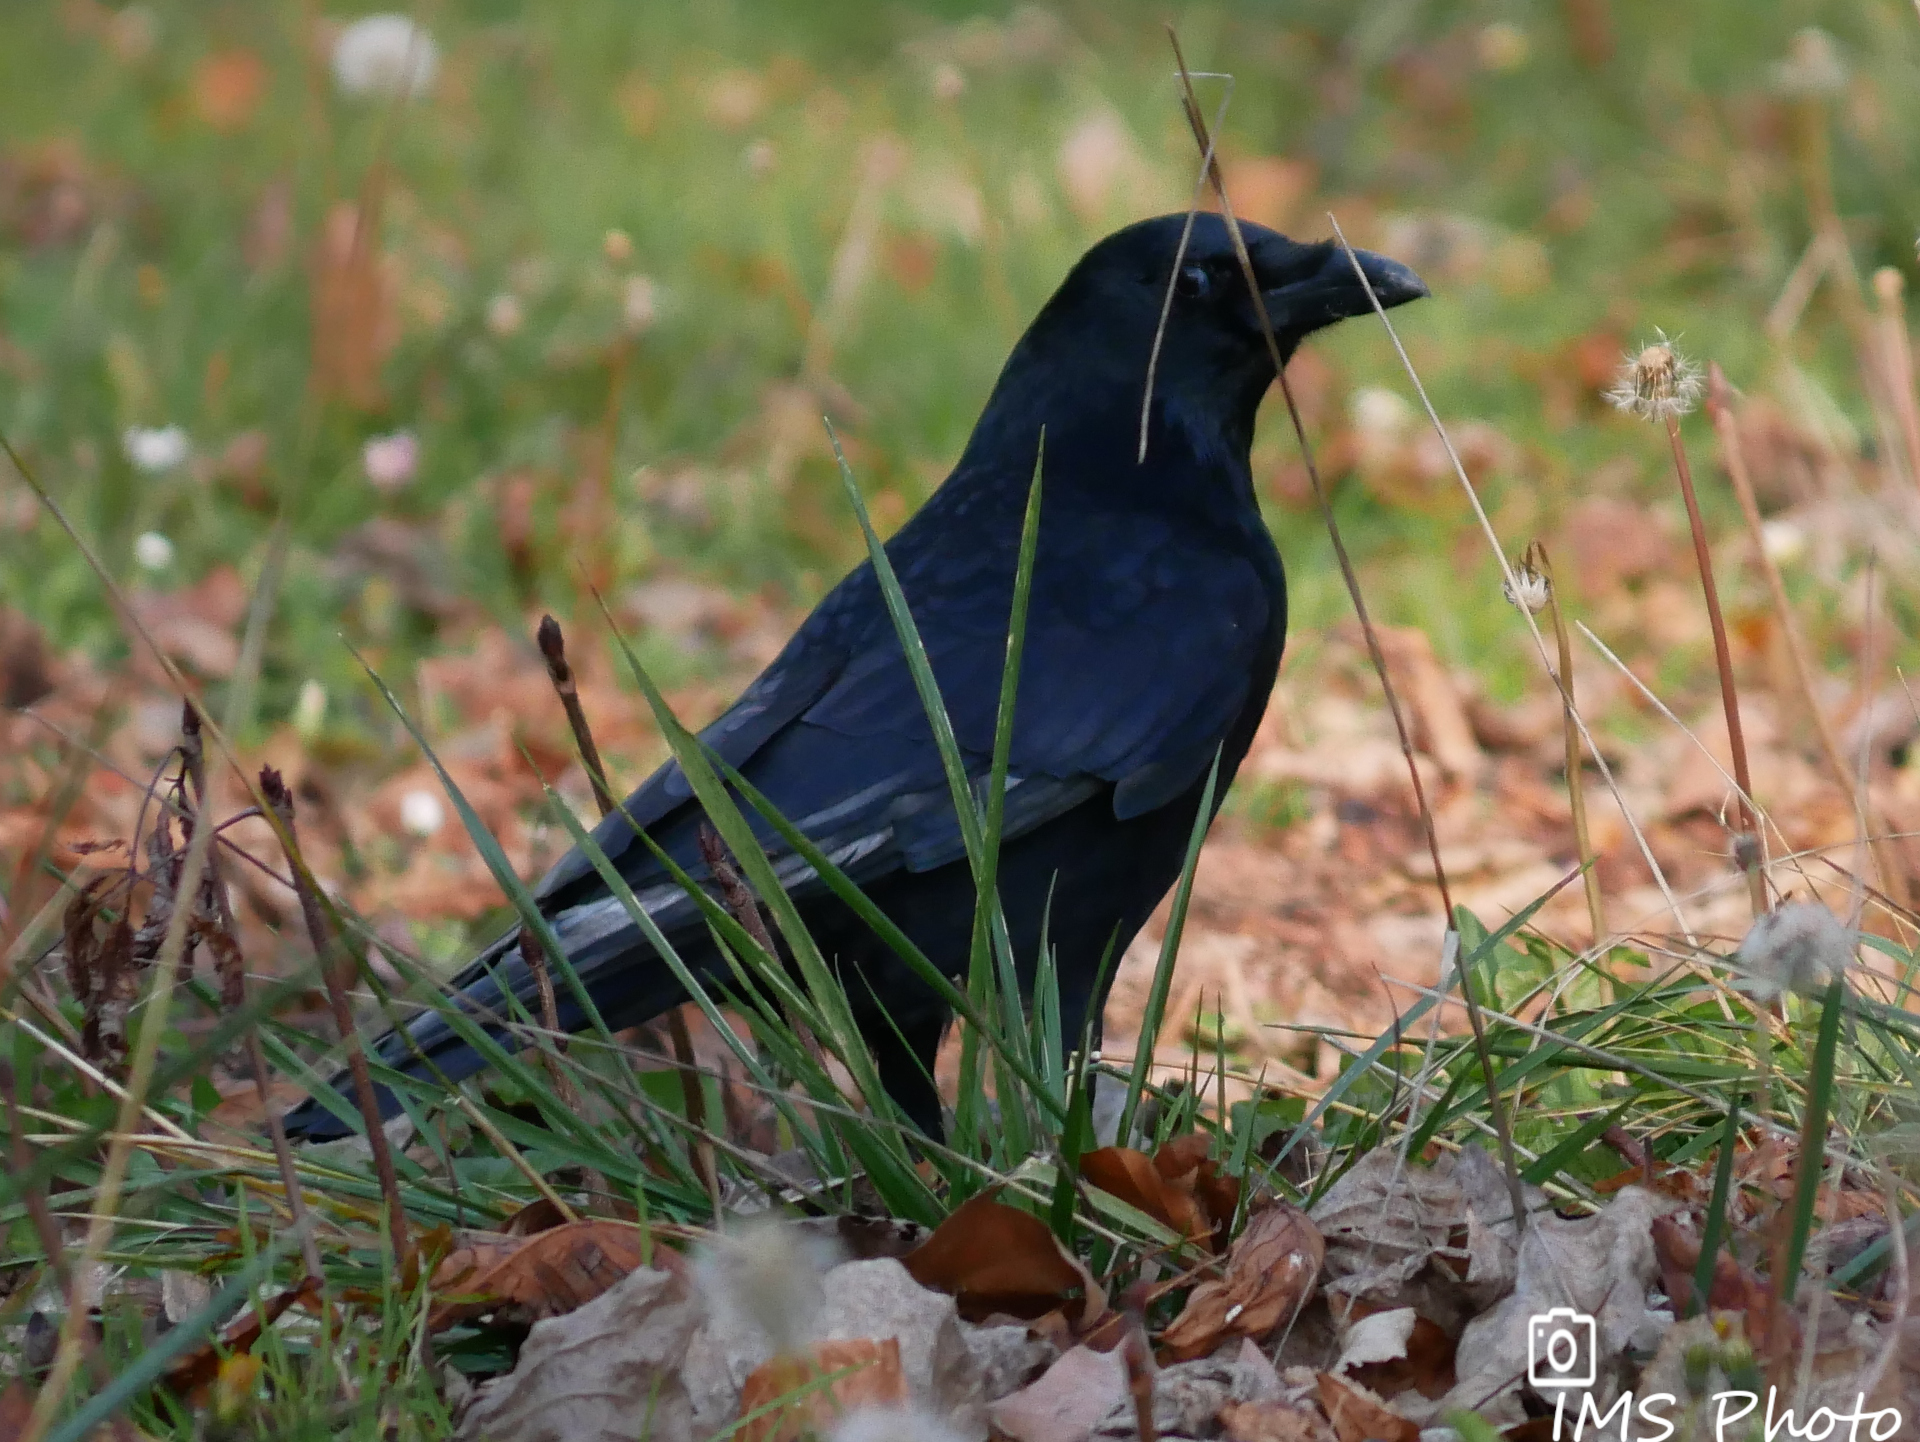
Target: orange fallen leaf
{"x":1271,"y":1272}
{"x":873,"y":1379}
{"x":991,"y":1257}
{"x":1273,"y":1422}
{"x":542,"y":1275}
{"x":1359,"y":1416}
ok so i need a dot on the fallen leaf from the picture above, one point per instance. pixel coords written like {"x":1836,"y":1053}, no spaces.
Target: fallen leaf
{"x":991,"y":1258}
{"x":1273,"y":1422}
{"x":1393,"y":1351}
{"x":1734,"y":1287}
{"x":873,"y":1379}
{"x":607,"y":1372}
{"x":537,"y":1276}
{"x":1359,"y":1416}
{"x":1133,"y":1177}
{"x":1067,"y":1401}
{"x":1271,"y":1272}
{"x":199,"y":1369}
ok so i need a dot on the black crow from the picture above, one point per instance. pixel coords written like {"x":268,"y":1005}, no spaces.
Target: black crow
{"x":1156,"y":620}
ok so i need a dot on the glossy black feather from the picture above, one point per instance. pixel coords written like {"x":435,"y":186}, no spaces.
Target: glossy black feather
{"x":1154,"y":633}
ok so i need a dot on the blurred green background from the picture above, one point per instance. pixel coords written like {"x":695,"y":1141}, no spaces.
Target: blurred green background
{"x":624,"y":255}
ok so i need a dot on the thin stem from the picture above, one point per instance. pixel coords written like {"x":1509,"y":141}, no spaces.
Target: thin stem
{"x":280,"y":802}
{"x":1747,"y":845}
{"x":1496,"y":1105}
{"x":1576,"y":781}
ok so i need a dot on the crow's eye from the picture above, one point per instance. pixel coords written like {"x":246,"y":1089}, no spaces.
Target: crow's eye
{"x":1192,"y":282}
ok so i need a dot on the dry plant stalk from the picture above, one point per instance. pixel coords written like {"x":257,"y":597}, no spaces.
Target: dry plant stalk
{"x":1659,"y":384}
{"x":1726,"y":426}
{"x":222,"y":940}
{"x":280,"y":801}
{"x":553,"y":649}
{"x":1496,"y":1105}
{"x":1537,"y":562}
{"x":1896,"y":360}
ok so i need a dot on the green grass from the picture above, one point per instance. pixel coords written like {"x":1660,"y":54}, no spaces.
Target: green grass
{"x":552,"y":125}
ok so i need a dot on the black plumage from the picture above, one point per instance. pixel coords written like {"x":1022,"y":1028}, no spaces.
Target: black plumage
{"x":1153,"y":637}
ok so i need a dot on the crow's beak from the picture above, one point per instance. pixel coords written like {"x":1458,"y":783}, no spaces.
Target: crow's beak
{"x":1333,"y":292}
{"x":1393,"y":282}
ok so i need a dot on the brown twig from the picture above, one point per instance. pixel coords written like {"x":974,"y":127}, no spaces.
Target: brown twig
{"x":280,"y":801}
{"x":223,"y":942}
{"x":1726,"y":426}
{"x":1198,"y":124}
{"x":1896,"y":356}
{"x":1748,"y":845}
{"x":553,"y":648}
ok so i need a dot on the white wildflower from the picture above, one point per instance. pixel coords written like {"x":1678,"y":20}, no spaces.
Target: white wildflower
{"x":1379,"y":414}
{"x":309,"y":710}
{"x":385,"y":55}
{"x":153,"y":551}
{"x":1528,"y":590}
{"x":422,"y":813}
{"x":1813,"y":65}
{"x":1799,"y":946}
{"x":640,"y":303}
{"x":390,"y":461}
{"x":764,"y":1274}
{"x":1783,"y":541}
{"x":1657,"y":384}
{"x":155,"y":448}
{"x":504,"y":314}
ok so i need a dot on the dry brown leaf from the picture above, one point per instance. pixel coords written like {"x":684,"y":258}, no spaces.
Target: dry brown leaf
{"x":198,"y":1369}
{"x":1273,"y":1422}
{"x":537,"y":1276}
{"x":1067,"y":1401}
{"x":1359,"y":1416}
{"x":994,"y":1258}
{"x":1395,"y":1351}
{"x":599,"y":1374}
{"x":1734,"y":1288}
{"x":1271,"y":1272}
{"x":1134,"y":1178}
{"x":873,"y":1379}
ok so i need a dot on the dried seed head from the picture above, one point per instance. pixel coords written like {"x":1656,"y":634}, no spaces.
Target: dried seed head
{"x":1528,"y":590}
{"x":1813,"y":65}
{"x":764,"y":1275}
{"x":1799,"y":946}
{"x":1657,"y":384}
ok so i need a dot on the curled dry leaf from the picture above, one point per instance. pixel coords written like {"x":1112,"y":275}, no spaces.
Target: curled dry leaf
{"x":802,"y":1407}
{"x":990,"y":1257}
{"x":543,"y":1275}
{"x":1271,"y":1272}
{"x":1395,"y":1351}
{"x":1359,"y":1416}
{"x":1067,"y":1401}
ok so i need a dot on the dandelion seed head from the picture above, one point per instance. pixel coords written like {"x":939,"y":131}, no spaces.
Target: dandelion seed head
{"x":765,"y":1274}
{"x":1658,"y":383}
{"x":383,"y":55}
{"x":1799,"y":946}
{"x":1529,"y":590}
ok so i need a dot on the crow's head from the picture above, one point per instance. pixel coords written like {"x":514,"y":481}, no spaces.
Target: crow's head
{"x":1214,"y":363}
